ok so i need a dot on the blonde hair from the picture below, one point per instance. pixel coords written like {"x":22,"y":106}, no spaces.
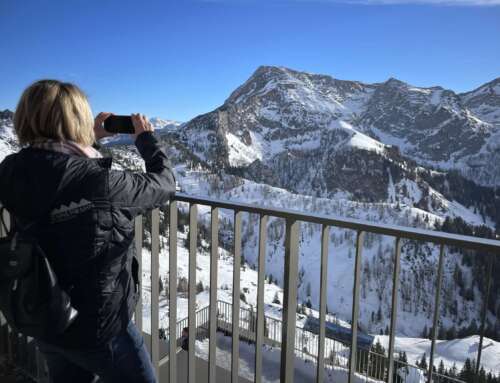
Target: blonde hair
{"x":50,"y":109}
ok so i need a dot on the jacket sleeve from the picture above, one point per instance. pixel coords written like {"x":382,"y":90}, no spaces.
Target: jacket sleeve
{"x":138,"y":192}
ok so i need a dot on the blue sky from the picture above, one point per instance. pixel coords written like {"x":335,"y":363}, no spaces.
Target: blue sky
{"x":179,"y":58}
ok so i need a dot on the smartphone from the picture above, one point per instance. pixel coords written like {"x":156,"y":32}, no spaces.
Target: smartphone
{"x":119,"y":124}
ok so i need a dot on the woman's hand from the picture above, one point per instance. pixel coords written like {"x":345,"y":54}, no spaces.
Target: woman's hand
{"x":99,"y":130}
{"x":141,"y":124}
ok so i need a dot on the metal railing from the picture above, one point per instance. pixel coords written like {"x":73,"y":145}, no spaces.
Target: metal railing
{"x":288,"y":333}
{"x":289,"y":329}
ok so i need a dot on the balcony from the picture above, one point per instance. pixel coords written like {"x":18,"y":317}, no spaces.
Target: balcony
{"x":230,"y":331}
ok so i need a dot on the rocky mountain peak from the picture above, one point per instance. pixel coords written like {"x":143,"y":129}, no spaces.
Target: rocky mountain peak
{"x":294,"y":86}
{"x":485,"y":101}
{"x":281,"y":110}
{"x":6,"y":114}
{"x":395,"y":83}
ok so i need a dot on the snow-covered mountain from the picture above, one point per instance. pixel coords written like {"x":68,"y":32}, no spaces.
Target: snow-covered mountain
{"x":308,"y":141}
{"x":279,"y":112}
{"x":386,"y":152}
{"x":8,"y":140}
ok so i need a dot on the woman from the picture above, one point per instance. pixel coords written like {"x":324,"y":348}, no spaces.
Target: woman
{"x":85,"y":212}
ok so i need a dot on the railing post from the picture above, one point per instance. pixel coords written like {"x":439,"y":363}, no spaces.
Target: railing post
{"x":259,"y":332}
{"x":214,"y":255}
{"x":155,"y":301}
{"x":289,"y":300}
{"x":325,"y":238}
{"x":193,"y":234}
{"x":138,"y":253}
{"x":236,"y":298}
{"x":485,"y":311}
{"x":172,"y":292}
{"x":436,"y":311}
{"x":394,"y":307}
{"x":355,"y":306}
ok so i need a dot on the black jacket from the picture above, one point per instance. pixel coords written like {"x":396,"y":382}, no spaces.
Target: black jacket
{"x":88,"y":234}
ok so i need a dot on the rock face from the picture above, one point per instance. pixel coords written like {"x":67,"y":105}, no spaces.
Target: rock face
{"x":484,"y":102}
{"x":431,"y":124}
{"x":280,"y":113}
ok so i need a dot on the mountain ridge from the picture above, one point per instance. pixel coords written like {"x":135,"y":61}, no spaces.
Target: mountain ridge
{"x":278,"y":105}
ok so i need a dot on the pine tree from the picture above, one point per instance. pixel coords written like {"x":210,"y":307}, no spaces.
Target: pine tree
{"x":441,"y":367}
{"x":309,"y":303}
{"x":423,"y":362}
{"x":453,"y":370}
{"x":199,"y":287}
{"x":183,"y":285}
{"x":467,"y":373}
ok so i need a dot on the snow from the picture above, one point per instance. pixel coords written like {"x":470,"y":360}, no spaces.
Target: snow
{"x":340,"y":264}
{"x":239,"y":153}
{"x":224,"y":281}
{"x":358,"y":139}
{"x":340,"y":273}
{"x":419,"y":90}
{"x":436,"y":97}
{"x":449,"y":351}
{"x":304,"y":369}
{"x":8,"y":139}
{"x":341,"y":259}
{"x":362,"y":141}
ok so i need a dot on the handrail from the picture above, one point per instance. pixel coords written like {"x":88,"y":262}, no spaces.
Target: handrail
{"x":470,"y":242}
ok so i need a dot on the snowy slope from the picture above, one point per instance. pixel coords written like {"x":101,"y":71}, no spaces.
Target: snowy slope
{"x":449,"y":351}
{"x":377,"y":253}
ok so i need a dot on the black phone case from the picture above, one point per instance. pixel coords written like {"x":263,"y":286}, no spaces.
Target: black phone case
{"x":119,"y":124}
